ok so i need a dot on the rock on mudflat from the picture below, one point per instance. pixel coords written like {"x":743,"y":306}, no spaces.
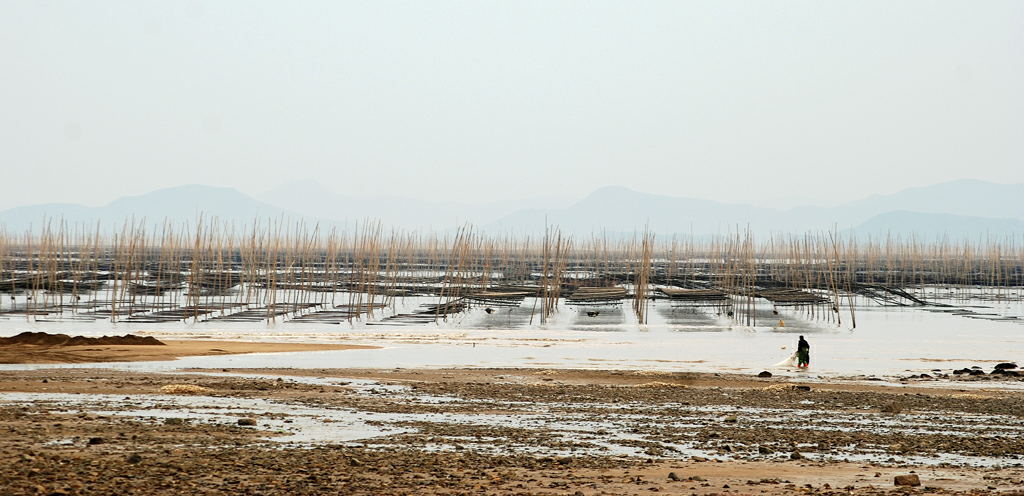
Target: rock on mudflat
{"x":907,"y":480}
{"x":1006,"y":366}
{"x":246,"y":421}
{"x":765,"y":374}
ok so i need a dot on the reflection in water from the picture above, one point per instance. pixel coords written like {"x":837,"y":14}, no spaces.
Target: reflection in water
{"x":598,"y":318}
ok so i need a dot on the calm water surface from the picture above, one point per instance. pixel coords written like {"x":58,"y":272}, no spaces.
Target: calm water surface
{"x":886,"y":340}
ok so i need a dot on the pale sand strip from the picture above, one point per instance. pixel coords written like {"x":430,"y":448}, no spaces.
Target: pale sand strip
{"x":21,"y":354}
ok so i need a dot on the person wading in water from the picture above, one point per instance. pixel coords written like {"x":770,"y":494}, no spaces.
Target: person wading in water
{"x":803,"y":353}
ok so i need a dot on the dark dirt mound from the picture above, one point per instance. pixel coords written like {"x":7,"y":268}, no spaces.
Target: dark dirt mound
{"x":44,"y":339}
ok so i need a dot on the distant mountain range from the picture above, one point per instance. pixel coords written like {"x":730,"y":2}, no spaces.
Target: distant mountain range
{"x":177,"y":205}
{"x":965,"y":208}
{"x":957,"y":209}
{"x":311,"y":199}
{"x":927,"y":226}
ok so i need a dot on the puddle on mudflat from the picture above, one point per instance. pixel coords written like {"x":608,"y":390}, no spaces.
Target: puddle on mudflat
{"x":292,"y":423}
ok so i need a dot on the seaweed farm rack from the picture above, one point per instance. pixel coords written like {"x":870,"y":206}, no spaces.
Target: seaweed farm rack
{"x":297,"y":273}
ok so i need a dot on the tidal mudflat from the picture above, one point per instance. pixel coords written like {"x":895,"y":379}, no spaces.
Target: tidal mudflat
{"x":501,"y":431}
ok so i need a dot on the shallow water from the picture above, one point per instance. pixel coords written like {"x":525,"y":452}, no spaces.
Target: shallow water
{"x":283,"y":422}
{"x":887,"y":341}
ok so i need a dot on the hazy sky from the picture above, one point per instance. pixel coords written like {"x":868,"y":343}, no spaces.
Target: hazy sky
{"x":513,"y":99}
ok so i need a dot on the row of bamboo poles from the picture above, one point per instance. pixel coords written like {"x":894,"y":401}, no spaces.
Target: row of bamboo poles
{"x":278,"y":268}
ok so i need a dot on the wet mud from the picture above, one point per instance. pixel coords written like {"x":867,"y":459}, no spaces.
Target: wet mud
{"x":497,"y":431}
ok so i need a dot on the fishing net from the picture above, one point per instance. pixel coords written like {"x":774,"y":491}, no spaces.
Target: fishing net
{"x":788,"y":362}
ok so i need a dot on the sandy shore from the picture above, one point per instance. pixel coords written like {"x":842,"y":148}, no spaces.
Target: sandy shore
{"x":15,"y":354}
{"x":499,"y":431}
